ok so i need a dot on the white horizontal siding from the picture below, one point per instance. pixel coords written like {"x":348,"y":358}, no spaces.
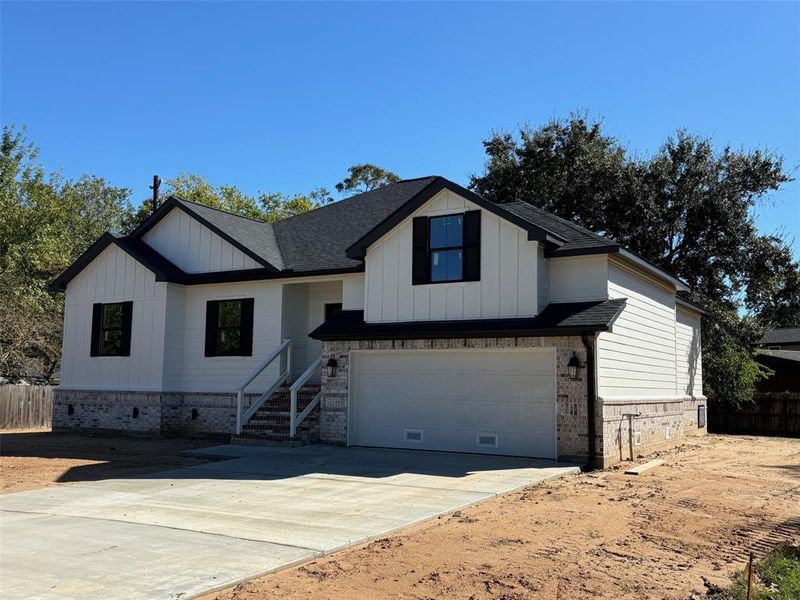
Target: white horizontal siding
{"x":507,"y":287}
{"x":688,"y":356}
{"x":578,"y":278}
{"x":637,"y":359}
{"x":193,"y":247}
{"x":114,"y":277}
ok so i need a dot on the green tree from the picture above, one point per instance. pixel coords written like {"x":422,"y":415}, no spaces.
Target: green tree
{"x":364,"y":178}
{"x":48,"y":221}
{"x":267,"y":207}
{"x":688,"y":209}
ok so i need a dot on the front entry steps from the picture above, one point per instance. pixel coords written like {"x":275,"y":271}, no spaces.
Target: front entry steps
{"x":270,"y":423}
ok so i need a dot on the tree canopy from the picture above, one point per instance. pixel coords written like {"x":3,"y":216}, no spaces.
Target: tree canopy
{"x":364,"y":178}
{"x":49,"y":220}
{"x":688,"y":209}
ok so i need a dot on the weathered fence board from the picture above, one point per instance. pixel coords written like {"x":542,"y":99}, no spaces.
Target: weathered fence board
{"x":768,"y":414}
{"x":26,"y":406}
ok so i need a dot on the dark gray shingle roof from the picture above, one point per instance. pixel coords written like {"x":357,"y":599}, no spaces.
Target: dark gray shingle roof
{"x":568,"y":318}
{"x":577,"y":237}
{"x":782,"y":335}
{"x":257,"y":236}
{"x":319,"y":239}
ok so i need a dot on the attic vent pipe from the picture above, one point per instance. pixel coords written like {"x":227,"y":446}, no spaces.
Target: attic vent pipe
{"x":154,"y":187}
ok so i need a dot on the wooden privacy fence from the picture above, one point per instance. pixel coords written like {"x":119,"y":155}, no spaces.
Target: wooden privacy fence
{"x":26,"y":406}
{"x":768,"y":414}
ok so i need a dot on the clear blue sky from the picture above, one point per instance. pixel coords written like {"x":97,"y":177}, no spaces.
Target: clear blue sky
{"x":284,"y":97}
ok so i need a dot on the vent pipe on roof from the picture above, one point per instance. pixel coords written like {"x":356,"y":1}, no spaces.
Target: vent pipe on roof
{"x":154,"y":187}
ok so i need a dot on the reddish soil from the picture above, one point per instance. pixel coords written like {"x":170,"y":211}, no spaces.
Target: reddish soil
{"x":35,"y":458}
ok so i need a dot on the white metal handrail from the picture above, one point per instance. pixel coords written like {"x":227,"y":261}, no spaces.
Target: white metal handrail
{"x":242,"y":417}
{"x":294,"y":418}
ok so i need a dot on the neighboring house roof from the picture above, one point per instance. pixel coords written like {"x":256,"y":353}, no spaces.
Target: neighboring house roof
{"x":781,"y":335}
{"x":334,"y":237}
{"x":556,"y":319}
{"x":786,"y":355}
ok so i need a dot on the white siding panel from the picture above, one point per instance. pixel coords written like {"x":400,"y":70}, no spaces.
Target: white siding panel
{"x":320,"y":294}
{"x":688,"y":356}
{"x":114,"y":277}
{"x":579,"y":278}
{"x":508,"y":285}
{"x":193,"y":247}
{"x":542,"y":278}
{"x":637,"y":359}
{"x":225,"y":373}
{"x":353,"y":293}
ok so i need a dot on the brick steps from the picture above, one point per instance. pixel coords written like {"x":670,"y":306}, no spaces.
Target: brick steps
{"x":269,"y":425}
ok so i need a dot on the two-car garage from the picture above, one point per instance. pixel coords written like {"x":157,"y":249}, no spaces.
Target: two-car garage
{"x":498,"y":401}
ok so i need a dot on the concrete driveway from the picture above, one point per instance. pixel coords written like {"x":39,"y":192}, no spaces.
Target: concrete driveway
{"x":177,"y":534}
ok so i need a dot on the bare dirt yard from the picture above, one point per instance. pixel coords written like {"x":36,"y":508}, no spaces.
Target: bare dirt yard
{"x":671,"y":533}
{"x":35,"y":458}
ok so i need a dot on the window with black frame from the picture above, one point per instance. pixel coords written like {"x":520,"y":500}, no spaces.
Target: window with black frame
{"x":229,"y":327}
{"x":446,"y":244}
{"x":111,"y":329}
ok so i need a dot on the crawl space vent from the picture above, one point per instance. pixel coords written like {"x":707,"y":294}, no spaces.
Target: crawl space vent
{"x":413,"y":435}
{"x":487,"y":439}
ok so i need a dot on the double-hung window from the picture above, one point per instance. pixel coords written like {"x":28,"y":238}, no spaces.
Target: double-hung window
{"x":447,"y":248}
{"x":111,"y":329}
{"x":229,"y":327}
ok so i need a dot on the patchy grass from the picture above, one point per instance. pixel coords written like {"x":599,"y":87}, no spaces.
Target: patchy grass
{"x":777,"y":578}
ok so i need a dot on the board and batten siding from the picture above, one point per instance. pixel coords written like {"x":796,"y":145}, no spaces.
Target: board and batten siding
{"x":637,"y":358}
{"x":688,"y":356}
{"x":193,"y":247}
{"x":507,"y":287}
{"x":114,"y":276}
{"x":187,"y":368}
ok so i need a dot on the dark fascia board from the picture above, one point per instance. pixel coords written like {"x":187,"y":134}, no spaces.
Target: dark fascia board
{"x":453,"y":329}
{"x":174,"y":274}
{"x":449,"y":335}
{"x":632,"y":257}
{"x":691,"y":306}
{"x":59,"y":284}
{"x":257,"y":275}
{"x":359,"y":249}
{"x":173,"y":202}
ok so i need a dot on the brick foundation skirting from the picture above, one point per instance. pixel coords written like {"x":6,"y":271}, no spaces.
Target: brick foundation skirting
{"x":193,"y":413}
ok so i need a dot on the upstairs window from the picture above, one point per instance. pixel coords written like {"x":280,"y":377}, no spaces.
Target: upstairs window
{"x":229,"y":327}
{"x":447,"y":248}
{"x":111,"y":329}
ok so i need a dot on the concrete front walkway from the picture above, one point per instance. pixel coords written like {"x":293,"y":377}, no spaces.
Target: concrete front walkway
{"x":177,"y":534}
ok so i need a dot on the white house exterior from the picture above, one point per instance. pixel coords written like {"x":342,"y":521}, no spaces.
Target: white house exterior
{"x":418,"y":315}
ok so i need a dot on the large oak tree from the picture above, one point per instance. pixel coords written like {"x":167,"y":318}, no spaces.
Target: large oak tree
{"x":688,"y":208}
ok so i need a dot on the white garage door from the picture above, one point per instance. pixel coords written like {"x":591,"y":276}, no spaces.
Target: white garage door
{"x":487,"y":401}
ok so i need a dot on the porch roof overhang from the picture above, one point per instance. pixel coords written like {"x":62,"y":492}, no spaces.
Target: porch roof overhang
{"x":568,"y":318}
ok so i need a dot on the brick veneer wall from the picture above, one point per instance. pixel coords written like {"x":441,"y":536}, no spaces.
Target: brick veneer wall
{"x":660,"y":423}
{"x":571,"y":417}
{"x":158,"y":412}
{"x":657,"y":424}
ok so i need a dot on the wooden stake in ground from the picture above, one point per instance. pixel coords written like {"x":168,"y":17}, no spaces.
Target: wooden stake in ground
{"x":750,"y":578}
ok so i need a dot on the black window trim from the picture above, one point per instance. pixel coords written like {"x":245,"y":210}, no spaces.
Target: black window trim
{"x":96,"y":347}
{"x":431,"y":250}
{"x":213,"y":328}
{"x":421,"y":268}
